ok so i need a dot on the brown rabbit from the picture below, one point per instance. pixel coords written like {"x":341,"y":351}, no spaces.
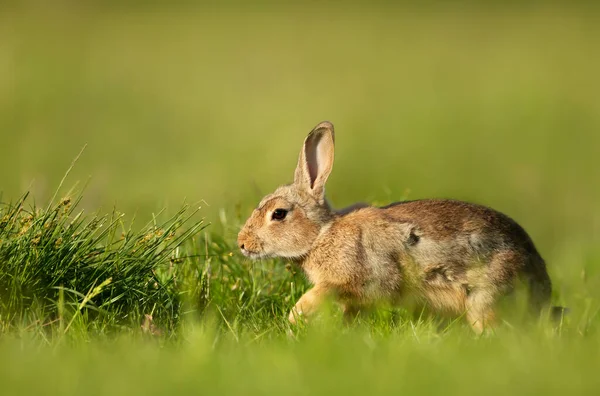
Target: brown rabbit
{"x":455,"y":257}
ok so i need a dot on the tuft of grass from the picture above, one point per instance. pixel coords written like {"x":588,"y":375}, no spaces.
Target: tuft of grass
{"x":57,"y":262}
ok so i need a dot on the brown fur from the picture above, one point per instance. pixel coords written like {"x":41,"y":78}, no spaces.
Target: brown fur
{"x":453,"y":256}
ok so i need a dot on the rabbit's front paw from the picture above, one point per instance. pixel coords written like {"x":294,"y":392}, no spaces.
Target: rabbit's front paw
{"x":295,"y":316}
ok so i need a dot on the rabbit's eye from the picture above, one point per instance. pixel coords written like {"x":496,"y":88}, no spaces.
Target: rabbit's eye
{"x":279,"y":214}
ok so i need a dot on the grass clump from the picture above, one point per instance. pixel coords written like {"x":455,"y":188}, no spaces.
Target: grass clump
{"x":56,"y":262}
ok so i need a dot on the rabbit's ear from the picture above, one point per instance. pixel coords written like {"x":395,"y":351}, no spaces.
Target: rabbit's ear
{"x":316,"y":160}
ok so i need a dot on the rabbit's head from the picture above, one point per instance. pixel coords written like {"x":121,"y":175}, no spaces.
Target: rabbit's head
{"x":287,"y":222}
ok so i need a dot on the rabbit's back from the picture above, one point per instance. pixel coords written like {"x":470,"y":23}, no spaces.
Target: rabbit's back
{"x":437,"y":250}
{"x":468,"y":238}
{"x":474,"y":246}
{"x":480,"y":229}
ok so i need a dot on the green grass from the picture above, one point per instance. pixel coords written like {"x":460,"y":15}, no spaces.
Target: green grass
{"x":174,"y":308}
{"x":493,"y":104}
{"x":350,"y":363}
{"x":61,"y":267}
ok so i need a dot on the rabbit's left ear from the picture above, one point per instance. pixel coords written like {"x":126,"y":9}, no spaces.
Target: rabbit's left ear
{"x":316,"y":161}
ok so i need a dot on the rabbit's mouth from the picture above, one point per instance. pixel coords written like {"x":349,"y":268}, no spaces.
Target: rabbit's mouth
{"x":252,"y":254}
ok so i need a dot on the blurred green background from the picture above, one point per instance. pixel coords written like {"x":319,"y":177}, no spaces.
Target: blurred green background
{"x":496,"y":104}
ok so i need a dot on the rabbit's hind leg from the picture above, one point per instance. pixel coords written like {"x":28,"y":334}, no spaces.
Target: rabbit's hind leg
{"x":480,"y":310}
{"x":487,"y":284}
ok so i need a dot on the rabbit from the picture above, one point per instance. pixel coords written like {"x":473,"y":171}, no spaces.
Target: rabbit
{"x":455,"y":257}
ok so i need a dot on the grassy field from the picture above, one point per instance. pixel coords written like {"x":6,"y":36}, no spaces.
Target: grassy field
{"x":142,"y":293}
